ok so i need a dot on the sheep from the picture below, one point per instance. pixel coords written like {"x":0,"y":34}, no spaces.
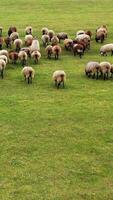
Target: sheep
{"x":80,"y":32}
{"x":49,"y":51}
{"x":68,"y":44}
{"x":62,"y":36}
{"x":11,"y":30}
{"x":18,"y":43}
{"x":51,"y":33}
{"x":44,"y":31}
{"x":22,"y":57}
{"x":3,"y":57}
{"x":105,"y":68}
{"x":28,"y":73}
{"x":7,"y":41}
{"x":78,"y":49}
{"x":14,"y":36}
{"x":36,"y":56}
{"x":106,"y":48}
{"x":1,"y":42}
{"x":89,"y":33}
{"x":27,"y":50}
{"x":100,"y":36}
{"x":59,"y":77}
{"x":81,"y":42}
{"x":1,"y":28}
{"x":45,"y":40}
{"x":29,"y":30}
{"x":103,"y":29}
{"x":2,"y":67}
{"x":13,"y":56}
{"x":35,"y":46}
{"x":54,"y":40}
{"x":4,"y":52}
{"x":92,"y":69}
{"x":28,"y":40}
{"x":56,"y":50}
{"x":85,"y":38}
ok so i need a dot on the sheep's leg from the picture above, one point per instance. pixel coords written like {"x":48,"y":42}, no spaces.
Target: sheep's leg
{"x":63,"y":84}
{"x":104,"y":76}
{"x":2,"y":74}
{"x":111,"y":53}
{"x":107,"y":75}
{"x":97,"y":74}
{"x":28,"y":80}
{"x":58,"y":85}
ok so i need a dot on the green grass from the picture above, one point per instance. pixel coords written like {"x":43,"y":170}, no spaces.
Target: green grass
{"x":56,"y":144}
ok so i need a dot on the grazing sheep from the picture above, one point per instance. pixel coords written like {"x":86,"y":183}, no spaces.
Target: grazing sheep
{"x":7,"y":41}
{"x":54,"y":40}
{"x":100,"y":36}
{"x":1,"y":28}
{"x":13,"y":56}
{"x":78,"y":49}
{"x":62,"y":36}
{"x":59,"y":77}
{"x":4,"y":52}
{"x":106,"y":48}
{"x":27,"y":50}
{"x":14,"y":36}
{"x":11,"y":30}
{"x":49,"y":51}
{"x":29,"y":30}
{"x":45,"y":40}
{"x":56,"y":50}
{"x":28,"y":73}
{"x":1,"y":42}
{"x":85,"y":38}
{"x":81,"y":42}
{"x":23,"y":57}
{"x":44,"y":31}
{"x":105,"y":68}
{"x":2,"y":67}
{"x":36,"y":56}
{"x":28,"y":40}
{"x":35,"y":46}
{"x":18,"y":43}
{"x":68,"y":44}
{"x":92,"y":69}
{"x":51,"y":33}
{"x":103,"y":29}
{"x":3,"y":57}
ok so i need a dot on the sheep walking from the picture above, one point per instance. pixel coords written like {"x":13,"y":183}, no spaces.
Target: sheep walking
{"x":36,"y":56}
{"x":92,"y":69}
{"x":28,"y":40}
{"x":23,"y":57}
{"x":49,"y":51}
{"x":29,"y":30}
{"x":62,"y":36}
{"x":3,"y":57}
{"x":2,"y":67}
{"x":11,"y":30}
{"x":28,"y":73}
{"x":35,"y":46}
{"x":44,"y":31}
{"x":105,"y":68}
{"x":13,"y":56}
{"x":78,"y":49}
{"x":106,"y":49}
{"x":100,"y":36}
{"x":14,"y":36}
{"x":59,"y":77}
{"x":68,"y":44}
{"x":18,"y":43}
{"x":45,"y":40}
{"x":54,"y":40}
{"x":51,"y":34}
{"x":7,"y":41}
{"x":56,"y":50}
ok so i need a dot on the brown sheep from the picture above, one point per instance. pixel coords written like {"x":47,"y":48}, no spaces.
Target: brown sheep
{"x":28,"y":73}
{"x":7,"y":41}
{"x":11,"y":30}
{"x":49,"y":51}
{"x":56,"y":50}
{"x":13,"y":56}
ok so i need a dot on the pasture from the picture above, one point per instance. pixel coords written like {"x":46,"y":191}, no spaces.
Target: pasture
{"x":56,"y":144}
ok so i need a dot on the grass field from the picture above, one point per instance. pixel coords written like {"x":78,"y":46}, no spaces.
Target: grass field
{"x":56,"y":144}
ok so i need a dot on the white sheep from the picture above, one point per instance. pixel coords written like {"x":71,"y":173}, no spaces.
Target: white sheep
{"x":23,"y":57}
{"x":18,"y":43}
{"x":2,"y":67}
{"x":35,"y":46}
{"x":36,"y":55}
{"x":14,"y":35}
{"x":44,"y":30}
{"x":28,"y":40}
{"x":92,"y":69}
{"x":59,"y":77}
{"x":106,"y":48}
{"x":3,"y":57}
{"x":45,"y":40}
{"x":29,"y":30}
{"x":105,"y":68}
{"x":28,"y":73}
{"x":4,"y":52}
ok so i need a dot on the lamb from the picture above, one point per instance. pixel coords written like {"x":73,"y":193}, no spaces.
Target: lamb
{"x":13,"y":56}
{"x":56,"y":50}
{"x":7,"y":41}
{"x":62,"y":36}
{"x":44,"y":31}
{"x":54,"y":40}
{"x":105,"y":68}
{"x":49,"y":51}
{"x":28,"y":40}
{"x":36,"y":56}
{"x":106,"y":48}
{"x":4,"y":52}
{"x":28,"y":73}
{"x":68,"y":44}
{"x":2,"y":67}
{"x":23,"y":57}
{"x":35,"y":46}
{"x":59,"y":77}
{"x":100,"y":36}
{"x":18,"y":43}
{"x":92,"y":69}
{"x":78,"y":49}
{"x":1,"y":42}
{"x":11,"y":30}
{"x":45,"y":39}
{"x":3,"y":57}
{"x":29,"y":30}
{"x":51,"y":33}
{"x":14,"y":36}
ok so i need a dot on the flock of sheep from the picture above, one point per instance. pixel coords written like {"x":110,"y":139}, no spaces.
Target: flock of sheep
{"x":51,"y":42}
